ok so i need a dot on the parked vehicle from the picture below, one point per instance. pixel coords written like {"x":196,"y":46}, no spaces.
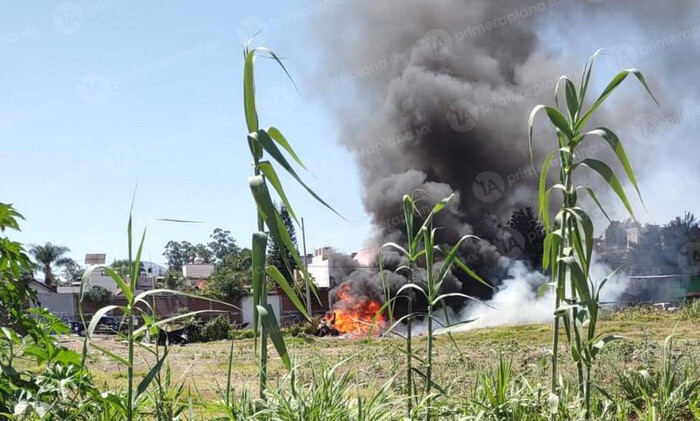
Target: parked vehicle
{"x":107,"y":324}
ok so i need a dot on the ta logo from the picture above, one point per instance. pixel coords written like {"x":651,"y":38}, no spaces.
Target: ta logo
{"x":94,"y":88}
{"x":462,"y":116}
{"x":436,"y":44}
{"x":488,"y":186}
{"x":620,"y":56}
{"x":510,"y":242}
{"x":647,"y":128}
{"x":689,"y":258}
{"x":68,"y":17}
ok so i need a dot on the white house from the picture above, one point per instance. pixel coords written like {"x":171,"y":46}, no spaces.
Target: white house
{"x":320,"y":264}
{"x":319,"y":267}
{"x":197,"y":270}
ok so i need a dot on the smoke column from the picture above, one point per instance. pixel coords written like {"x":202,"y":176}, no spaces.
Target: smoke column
{"x":433,"y":97}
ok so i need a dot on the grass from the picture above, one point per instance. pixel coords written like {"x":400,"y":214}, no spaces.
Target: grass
{"x":377,"y":360}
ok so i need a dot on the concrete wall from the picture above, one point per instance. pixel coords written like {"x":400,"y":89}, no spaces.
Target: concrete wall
{"x":247,"y":307}
{"x":60,"y":305}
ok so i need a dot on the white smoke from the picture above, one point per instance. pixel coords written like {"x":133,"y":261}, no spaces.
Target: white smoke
{"x":516,"y":301}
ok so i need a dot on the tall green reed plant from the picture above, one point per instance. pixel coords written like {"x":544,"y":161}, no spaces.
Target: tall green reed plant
{"x":136,"y":305}
{"x":568,"y":244}
{"x":422,"y":246}
{"x":264,"y":143}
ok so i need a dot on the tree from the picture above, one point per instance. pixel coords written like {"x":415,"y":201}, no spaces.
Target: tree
{"x":99,"y":296}
{"x":525,"y":222}
{"x":122,"y":267}
{"x":231,"y":277}
{"x":179,"y":254}
{"x":223,"y":245}
{"x":174,"y":280}
{"x":277,"y":251}
{"x":48,"y":256}
{"x":72,"y":271}
{"x":677,"y":234}
{"x":205,"y":253}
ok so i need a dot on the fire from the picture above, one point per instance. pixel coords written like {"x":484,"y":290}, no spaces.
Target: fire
{"x":354,"y":316}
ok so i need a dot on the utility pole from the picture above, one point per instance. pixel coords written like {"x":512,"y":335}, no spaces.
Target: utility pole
{"x":306,"y":269}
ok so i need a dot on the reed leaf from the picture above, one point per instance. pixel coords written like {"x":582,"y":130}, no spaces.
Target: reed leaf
{"x":269,"y":322}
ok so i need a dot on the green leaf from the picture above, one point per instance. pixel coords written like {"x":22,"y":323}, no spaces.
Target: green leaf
{"x":269,"y":322}
{"x":602,"y":168}
{"x":275,"y":274}
{"x":458,"y":294}
{"x":546,"y":250}
{"x":136,"y":264}
{"x":437,"y":208}
{"x":145,"y":294}
{"x":278,"y":137}
{"x":278,"y":231}
{"x":598,"y":346}
{"x":126,"y":290}
{"x":258,"y":268}
{"x":555,"y":117}
{"x":460,"y":264}
{"x":579,"y":278}
{"x":148,"y":378}
{"x":583,"y":220}
{"x":619,"y":150}
{"x":150,"y":324}
{"x":543,"y":288}
{"x":570,"y":93}
{"x":98,"y":315}
{"x":450,"y":257}
{"x":275,"y":57}
{"x":543,"y":203}
{"x":270,"y":174}
{"x":267,"y":143}
{"x":110,"y":354}
{"x":614,"y":83}
{"x":586,"y":75}
{"x":251,"y":113}
{"x":597,"y":202}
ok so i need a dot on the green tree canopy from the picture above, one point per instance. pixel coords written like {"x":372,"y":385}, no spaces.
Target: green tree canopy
{"x":231,"y":277}
{"x":277,"y":251}
{"x":47,"y":256}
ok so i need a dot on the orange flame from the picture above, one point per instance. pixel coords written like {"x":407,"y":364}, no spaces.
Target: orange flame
{"x":355,"y":317}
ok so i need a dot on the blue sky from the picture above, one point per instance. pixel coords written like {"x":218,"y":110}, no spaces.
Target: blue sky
{"x":99,"y":96}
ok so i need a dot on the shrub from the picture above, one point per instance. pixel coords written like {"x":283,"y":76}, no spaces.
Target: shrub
{"x":99,"y":296}
{"x":216,"y":329}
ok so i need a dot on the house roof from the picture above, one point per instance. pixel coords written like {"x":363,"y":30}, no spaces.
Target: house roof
{"x":36,"y":285}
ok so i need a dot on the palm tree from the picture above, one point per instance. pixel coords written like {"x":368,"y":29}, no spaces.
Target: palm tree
{"x":47,"y":256}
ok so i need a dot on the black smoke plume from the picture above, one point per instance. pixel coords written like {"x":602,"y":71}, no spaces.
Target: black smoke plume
{"x":438,"y":94}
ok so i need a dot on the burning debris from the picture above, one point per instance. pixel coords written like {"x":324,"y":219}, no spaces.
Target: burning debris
{"x":353,"y":315}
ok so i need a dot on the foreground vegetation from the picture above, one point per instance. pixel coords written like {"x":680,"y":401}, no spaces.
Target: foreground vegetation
{"x":489,"y":374}
{"x":465,"y":374}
